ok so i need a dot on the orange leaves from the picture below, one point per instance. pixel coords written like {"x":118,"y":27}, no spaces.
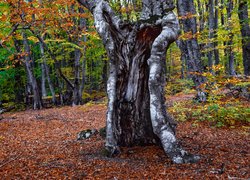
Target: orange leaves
{"x":233,"y":80}
{"x":42,"y":145}
{"x":189,"y":15}
{"x":54,"y":18}
{"x":39,"y":14}
{"x":4,"y":17}
{"x":189,"y":35}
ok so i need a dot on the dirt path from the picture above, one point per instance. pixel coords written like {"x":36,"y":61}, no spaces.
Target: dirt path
{"x":42,"y":145}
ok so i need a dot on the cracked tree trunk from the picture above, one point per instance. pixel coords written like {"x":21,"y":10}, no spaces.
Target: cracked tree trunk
{"x":137,"y":52}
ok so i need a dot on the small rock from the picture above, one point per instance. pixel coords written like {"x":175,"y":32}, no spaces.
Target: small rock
{"x":2,"y":111}
{"x":85,"y":134}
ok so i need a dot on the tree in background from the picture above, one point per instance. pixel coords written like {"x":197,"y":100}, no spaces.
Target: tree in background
{"x":229,"y":49}
{"x":189,"y":45}
{"x":59,"y":46}
{"x":68,"y":58}
{"x":245,"y":33}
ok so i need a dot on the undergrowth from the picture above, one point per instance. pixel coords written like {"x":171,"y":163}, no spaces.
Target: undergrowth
{"x":218,"y":114}
{"x":222,"y":107}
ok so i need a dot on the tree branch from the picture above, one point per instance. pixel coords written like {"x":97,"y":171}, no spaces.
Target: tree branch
{"x":54,"y":58}
{"x":89,"y":4}
{"x":107,"y":24}
{"x":14,"y":28}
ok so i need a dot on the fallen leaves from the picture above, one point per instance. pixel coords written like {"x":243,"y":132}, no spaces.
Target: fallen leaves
{"x":43,"y":145}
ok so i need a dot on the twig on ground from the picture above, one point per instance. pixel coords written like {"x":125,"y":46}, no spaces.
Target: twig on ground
{"x":9,"y":161}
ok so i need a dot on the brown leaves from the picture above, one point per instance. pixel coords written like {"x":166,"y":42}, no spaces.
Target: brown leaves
{"x":42,"y":144}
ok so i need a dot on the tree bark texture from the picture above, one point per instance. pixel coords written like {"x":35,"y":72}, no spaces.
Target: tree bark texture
{"x":78,"y":84}
{"x":137,"y":52}
{"x":190,"y":48}
{"x":216,"y":25}
{"x":76,"y":90}
{"x":245,"y":33}
{"x":211,"y":34}
{"x":43,"y":81}
{"x":229,"y":49}
{"x":201,"y":14}
{"x":46,"y":75}
{"x":37,"y":104}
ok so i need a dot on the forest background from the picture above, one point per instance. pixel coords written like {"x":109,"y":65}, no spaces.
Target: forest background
{"x":51,"y":55}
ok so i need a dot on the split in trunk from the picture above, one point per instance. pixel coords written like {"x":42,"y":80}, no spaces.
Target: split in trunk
{"x":137,"y":53}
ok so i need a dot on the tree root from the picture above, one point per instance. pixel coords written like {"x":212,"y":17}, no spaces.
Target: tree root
{"x":111,"y":151}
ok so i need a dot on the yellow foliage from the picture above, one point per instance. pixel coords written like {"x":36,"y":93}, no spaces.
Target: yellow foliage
{"x":33,"y":38}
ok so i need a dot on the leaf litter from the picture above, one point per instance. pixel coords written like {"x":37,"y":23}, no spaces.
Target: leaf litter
{"x":43,"y":145}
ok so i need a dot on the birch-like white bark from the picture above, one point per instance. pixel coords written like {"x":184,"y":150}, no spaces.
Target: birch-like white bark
{"x":109,"y":27}
{"x":103,"y":28}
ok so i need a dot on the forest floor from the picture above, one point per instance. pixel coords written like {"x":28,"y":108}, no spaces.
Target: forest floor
{"x":43,"y":145}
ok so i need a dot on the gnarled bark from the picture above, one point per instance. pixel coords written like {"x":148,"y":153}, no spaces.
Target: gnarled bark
{"x":136,"y":107}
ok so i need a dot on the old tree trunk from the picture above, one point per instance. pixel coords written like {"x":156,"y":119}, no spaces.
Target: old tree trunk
{"x":136,"y":107}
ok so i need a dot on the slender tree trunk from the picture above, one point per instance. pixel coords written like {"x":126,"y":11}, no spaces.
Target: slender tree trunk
{"x":229,"y":50}
{"x":223,"y":24}
{"x":45,"y":70}
{"x":83,"y":24}
{"x":50,"y":83}
{"x":211,"y":34}
{"x":190,"y":47}
{"x":222,"y":14}
{"x":43,"y":78}
{"x":231,"y":65}
{"x":201,"y":11}
{"x":83,"y":73}
{"x":37,"y":104}
{"x":76,"y":91}
{"x":216,"y":19}
{"x":60,"y":87}
{"x":44,"y":66}
{"x":57,"y":70}
{"x":201,"y":15}
{"x":18,"y":80}
{"x":136,"y":107}
{"x":182,"y":45}
{"x":245,"y":33}
{"x":43,"y":81}
{"x":78,"y":83}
